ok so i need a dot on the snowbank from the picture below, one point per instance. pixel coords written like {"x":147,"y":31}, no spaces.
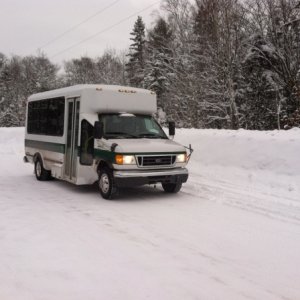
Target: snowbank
{"x":274,"y":151}
{"x":12,"y":140}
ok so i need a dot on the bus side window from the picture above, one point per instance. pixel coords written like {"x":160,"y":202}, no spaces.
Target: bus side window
{"x":86,"y":143}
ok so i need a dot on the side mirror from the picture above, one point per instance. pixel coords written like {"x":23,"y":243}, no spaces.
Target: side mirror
{"x":171,"y":128}
{"x":98,"y":130}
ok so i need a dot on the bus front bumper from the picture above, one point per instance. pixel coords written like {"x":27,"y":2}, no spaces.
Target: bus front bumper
{"x":141,"y":177}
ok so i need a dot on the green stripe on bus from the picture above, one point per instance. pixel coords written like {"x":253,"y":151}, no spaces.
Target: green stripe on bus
{"x":53,"y":147}
{"x":105,"y":155}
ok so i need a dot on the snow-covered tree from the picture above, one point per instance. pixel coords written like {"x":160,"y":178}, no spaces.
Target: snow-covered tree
{"x":80,"y":71}
{"x":264,"y":85}
{"x":136,"y":63}
{"x":110,"y":68}
{"x":182,"y":106}
{"x":158,"y":63}
{"x":20,"y":77}
{"x":273,"y":62}
{"x":219,"y":29}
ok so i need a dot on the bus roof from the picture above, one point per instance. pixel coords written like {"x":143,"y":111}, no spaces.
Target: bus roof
{"x":77,"y":90}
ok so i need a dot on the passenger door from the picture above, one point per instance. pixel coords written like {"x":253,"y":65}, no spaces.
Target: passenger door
{"x":71,"y":151}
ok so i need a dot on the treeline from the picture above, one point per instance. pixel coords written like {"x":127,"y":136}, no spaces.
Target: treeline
{"x":213,"y":64}
{"x":22,"y":76}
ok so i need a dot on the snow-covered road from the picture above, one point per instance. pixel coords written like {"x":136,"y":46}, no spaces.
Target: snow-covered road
{"x":233,"y":232}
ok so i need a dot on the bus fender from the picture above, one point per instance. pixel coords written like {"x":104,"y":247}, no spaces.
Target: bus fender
{"x":37,"y":156}
{"x":103,"y":163}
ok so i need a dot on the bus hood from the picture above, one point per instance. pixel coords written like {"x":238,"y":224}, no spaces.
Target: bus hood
{"x":134,"y":146}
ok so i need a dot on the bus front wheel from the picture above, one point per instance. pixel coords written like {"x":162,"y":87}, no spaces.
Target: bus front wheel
{"x":172,"y":187}
{"x":106,"y":183}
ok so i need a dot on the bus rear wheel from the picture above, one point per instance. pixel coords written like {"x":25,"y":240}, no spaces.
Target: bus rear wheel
{"x":106,"y":183}
{"x":41,"y":173}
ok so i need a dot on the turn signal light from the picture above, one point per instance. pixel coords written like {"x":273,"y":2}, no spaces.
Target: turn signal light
{"x":119,"y":159}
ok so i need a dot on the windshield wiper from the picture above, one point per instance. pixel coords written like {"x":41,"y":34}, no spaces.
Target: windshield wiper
{"x":116,"y":134}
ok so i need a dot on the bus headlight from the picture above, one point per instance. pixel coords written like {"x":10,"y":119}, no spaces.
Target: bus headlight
{"x":181,"y":158}
{"x":125,"y":159}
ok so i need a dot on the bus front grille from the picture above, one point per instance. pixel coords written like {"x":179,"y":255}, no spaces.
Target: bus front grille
{"x":156,"y":160}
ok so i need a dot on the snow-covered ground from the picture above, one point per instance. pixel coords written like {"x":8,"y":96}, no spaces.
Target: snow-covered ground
{"x":233,"y":232}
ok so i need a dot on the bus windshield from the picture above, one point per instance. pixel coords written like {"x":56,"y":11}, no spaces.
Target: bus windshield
{"x":128,"y":126}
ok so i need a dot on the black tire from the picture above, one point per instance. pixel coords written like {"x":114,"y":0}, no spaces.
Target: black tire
{"x":40,"y":172}
{"x":172,"y":187}
{"x":106,"y":183}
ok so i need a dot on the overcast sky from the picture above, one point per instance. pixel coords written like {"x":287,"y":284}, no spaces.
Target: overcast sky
{"x":25,"y":26}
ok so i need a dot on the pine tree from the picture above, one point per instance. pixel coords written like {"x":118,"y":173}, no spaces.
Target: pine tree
{"x":160,"y":36}
{"x":158,"y":63}
{"x":136,"y":64}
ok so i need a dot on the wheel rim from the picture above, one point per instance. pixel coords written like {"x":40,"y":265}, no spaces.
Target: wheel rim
{"x":104,"y":183}
{"x":38,"y":168}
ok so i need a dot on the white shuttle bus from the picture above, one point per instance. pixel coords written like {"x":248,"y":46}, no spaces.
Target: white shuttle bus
{"x":106,"y":134}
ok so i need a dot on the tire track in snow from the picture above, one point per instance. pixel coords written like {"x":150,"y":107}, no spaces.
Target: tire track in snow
{"x":242,"y":197}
